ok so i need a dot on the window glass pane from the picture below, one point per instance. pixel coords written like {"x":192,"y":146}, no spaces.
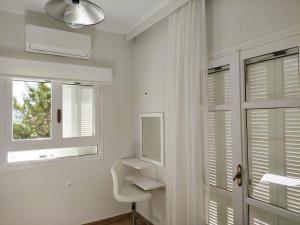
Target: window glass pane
{"x":291,"y":78}
{"x":47,"y":154}
{"x":273,"y":79}
{"x":78,"y":111}
{"x":31,"y":114}
{"x":257,"y":80}
{"x":220,"y":209}
{"x":260,"y":217}
{"x":274,"y":156}
{"x":219,"y":87}
{"x":220,"y":149}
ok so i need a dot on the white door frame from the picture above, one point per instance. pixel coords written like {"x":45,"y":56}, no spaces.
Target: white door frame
{"x":234,"y":56}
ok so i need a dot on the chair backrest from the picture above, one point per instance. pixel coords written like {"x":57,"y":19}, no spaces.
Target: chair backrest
{"x":119,"y":171}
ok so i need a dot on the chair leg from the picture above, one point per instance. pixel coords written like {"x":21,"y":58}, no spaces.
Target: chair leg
{"x":133,"y":213}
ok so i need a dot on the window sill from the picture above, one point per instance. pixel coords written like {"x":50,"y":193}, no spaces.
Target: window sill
{"x":46,"y":162}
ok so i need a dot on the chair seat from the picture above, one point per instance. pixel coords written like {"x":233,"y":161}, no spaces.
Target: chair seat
{"x":131,"y":193}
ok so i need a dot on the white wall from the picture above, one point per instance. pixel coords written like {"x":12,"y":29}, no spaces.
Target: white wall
{"x":231,"y":22}
{"x":150,"y":68}
{"x":39,"y":195}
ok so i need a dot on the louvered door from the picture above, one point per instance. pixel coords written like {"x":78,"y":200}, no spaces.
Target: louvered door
{"x":220,"y":147}
{"x":272,"y":115}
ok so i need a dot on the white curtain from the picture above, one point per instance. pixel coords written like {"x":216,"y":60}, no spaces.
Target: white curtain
{"x":184,"y":116}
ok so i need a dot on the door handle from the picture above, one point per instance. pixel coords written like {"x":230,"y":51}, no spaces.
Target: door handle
{"x":238,"y":175}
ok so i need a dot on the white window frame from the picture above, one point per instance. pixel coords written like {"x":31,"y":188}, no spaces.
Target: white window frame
{"x":258,"y":50}
{"x":56,"y":141}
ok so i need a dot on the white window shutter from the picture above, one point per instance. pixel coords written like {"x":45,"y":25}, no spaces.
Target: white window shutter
{"x":78,"y":111}
{"x":69,"y":110}
{"x":257,"y":81}
{"x":291,"y":81}
{"x":228,"y":150}
{"x":86,"y":111}
{"x":229,"y":216}
{"x":227,"y":86}
{"x":292,"y":156}
{"x":258,"y":135}
{"x":211,"y":90}
{"x":213,"y":213}
{"x":212,"y":149}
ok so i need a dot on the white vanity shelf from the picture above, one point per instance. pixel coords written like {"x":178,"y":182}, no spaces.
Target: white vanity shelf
{"x":144,"y":182}
{"x":137,"y":163}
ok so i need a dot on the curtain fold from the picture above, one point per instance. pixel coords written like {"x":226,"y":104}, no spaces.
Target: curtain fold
{"x":185,"y":146}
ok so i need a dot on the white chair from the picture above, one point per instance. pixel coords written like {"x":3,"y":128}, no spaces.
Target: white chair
{"x":124,"y":191}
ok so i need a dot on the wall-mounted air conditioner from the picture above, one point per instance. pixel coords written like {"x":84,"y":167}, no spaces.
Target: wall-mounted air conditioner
{"x":57,"y":42}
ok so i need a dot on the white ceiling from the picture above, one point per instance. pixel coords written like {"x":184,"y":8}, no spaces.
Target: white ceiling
{"x":121,"y":15}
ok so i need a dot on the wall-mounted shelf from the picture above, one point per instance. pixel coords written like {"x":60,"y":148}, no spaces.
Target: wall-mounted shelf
{"x":144,"y":182}
{"x":136,"y":163}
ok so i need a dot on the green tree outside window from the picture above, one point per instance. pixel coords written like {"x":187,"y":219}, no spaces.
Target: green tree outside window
{"x":32,"y":114}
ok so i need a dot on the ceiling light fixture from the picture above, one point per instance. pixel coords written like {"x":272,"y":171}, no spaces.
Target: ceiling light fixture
{"x":75,"y":13}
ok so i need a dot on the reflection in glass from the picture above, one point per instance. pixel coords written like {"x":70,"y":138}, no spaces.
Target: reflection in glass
{"x":151,"y":138}
{"x":219,"y":87}
{"x":274,"y":156}
{"x":220,"y":209}
{"x":261,"y":217}
{"x":220,"y":149}
{"x":273,"y":79}
{"x":282,"y":180}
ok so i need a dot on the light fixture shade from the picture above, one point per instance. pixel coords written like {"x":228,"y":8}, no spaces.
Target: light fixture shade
{"x":75,"y":14}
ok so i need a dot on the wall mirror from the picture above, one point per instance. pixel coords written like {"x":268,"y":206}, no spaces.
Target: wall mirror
{"x":152,"y":138}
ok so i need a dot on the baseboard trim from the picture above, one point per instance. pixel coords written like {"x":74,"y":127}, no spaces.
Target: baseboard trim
{"x":143,"y":219}
{"x":120,"y":218}
{"x":111,"y":220}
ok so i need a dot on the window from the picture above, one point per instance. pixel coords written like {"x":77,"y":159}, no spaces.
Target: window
{"x":273,"y":129}
{"x":49,"y":119}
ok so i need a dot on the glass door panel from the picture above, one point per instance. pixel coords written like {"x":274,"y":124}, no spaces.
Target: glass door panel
{"x":220,"y":147}
{"x":261,"y":217}
{"x":273,"y":137}
{"x":220,"y":208}
{"x":274,"y":156}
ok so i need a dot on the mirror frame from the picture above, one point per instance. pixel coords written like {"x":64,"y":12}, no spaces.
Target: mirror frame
{"x":162,"y":138}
